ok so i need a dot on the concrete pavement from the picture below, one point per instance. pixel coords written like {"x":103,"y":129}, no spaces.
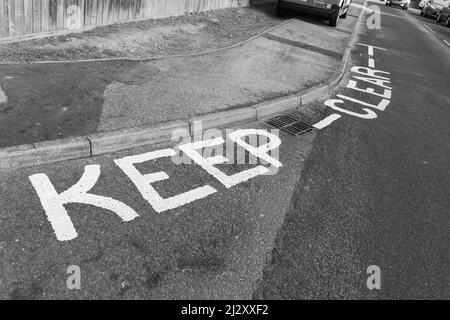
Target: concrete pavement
{"x":54,"y":101}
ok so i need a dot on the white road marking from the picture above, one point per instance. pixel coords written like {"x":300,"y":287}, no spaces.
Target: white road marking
{"x":370,"y":48}
{"x":208,"y":164}
{"x":53,"y":203}
{"x":428,"y":28}
{"x":352,"y":84}
{"x":371,"y":63}
{"x":327,"y":121}
{"x":144,"y":182}
{"x":368,"y":115}
{"x":446,"y":42}
{"x":381,"y":106}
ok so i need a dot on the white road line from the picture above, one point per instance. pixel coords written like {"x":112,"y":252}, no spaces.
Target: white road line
{"x":446,"y":42}
{"x":371,"y":63}
{"x":428,"y":28}
{"x":327,"y":121}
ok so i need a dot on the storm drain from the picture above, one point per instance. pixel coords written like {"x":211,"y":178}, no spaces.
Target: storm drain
{"x":289,"y":124}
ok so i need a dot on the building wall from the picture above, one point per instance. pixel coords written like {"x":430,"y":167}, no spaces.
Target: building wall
{"x":19,"y":18}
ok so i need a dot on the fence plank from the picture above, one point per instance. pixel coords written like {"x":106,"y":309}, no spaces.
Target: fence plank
{"x":7,"y":14}
{"x":109,"y":15}
{"x":87,"y":12}
{"x":59,"y":14}
{"x":94,"y":6}
{"x":105,"y":11}
{"x":12,"y":18}
{"x":18,"y":17}
{"x":28,"y":16}
{"x":45,"y":15}
{"x":100,"y":12}
{"x":37,"y":24}
{"x":53,"y":8}
{"x":117,"y":10}
{"x":2,"y":20}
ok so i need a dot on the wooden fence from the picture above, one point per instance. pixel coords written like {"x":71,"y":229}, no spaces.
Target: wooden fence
{"x":19,"y":18}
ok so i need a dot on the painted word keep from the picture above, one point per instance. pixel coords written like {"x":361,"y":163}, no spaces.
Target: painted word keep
{"x":54,"y":202}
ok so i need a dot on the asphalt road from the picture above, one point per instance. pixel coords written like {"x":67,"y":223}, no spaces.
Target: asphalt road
{"x":359,"y":192}
{"x":375,"y":192}
{"x":439,"y":30}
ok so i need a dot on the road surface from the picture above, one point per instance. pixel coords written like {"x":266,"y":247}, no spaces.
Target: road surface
{"x":371,"y":188}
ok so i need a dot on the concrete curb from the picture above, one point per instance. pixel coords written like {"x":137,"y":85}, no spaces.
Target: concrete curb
{"x":44,"y":152}
{"x":108,"y":142}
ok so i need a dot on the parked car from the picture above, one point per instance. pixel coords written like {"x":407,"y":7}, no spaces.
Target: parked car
{"x":404,"y":4}
{"x":433,"y":8}
{"x":330,"y":9}
{"x":444,"y":15}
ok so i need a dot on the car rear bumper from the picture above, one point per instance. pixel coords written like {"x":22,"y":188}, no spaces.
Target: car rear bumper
{"x":320,"y":11}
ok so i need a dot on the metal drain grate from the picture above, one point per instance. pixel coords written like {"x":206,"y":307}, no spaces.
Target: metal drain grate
{"x":289,"y":124}
{"x":281,"y":121}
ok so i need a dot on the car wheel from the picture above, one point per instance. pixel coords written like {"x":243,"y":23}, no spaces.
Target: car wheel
{"x":280,"y":10}
{"x":335,"y":17}
{"x":447,"y":24}
{"x":421,"y":13}
{"x":344,"y":15}
{"x":438,"y":19}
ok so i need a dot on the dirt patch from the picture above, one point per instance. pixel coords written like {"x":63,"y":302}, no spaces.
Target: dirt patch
{"x":145,"y":39}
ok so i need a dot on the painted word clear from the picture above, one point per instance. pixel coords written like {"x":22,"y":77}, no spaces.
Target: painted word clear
{"x":368,"y":80}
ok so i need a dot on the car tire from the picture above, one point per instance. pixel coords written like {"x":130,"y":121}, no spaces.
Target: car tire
{"x":447,"y":23}
{"x":334,"y":19}
{"x":281,"y":12}
{"x":344,"y":15}
{"x":438,"y":19}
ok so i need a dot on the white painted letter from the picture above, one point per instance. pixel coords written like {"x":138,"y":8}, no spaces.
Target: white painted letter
{"x":332,"y":104}
{"x":262,"y":151}
{"x":352,"y":84}
{"x":370,"y":72}
{"x":53,"y":203}
{"x":143,"y":182}
{"x":208,"y":163}
{"x":377,"y":82}
{"x":381,"y":106}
